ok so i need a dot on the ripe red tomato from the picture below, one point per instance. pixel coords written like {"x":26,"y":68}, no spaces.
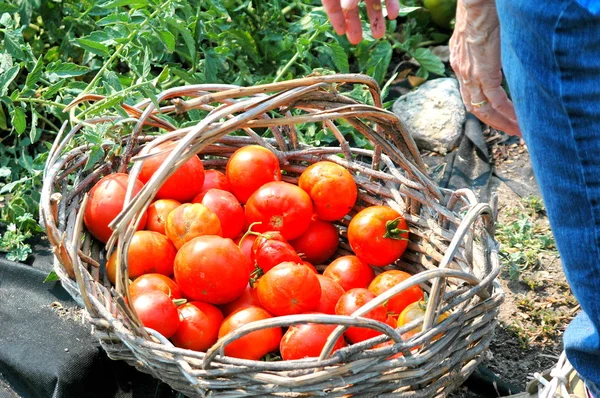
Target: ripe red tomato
{"x":388,"y":279}
{"x":149,"y":252}
{"x":309,"y":265}
{"x":211,"y":269}
{"x":307,"y":341}
{"x":280,"y":206}
{"x":249,"y":168}
{"x":270,"y":249}
{"x":414,"y":311}
{"x":289,"y":288}
{"x":227,"y":208}
{"x":199,"y":327}
{"x":157,"y":311}
{"x":350,"y":272}
{"x":254,"y":345}
{"x":331,"y":292}
{"x":148,"y":282}
{"x":318,"y":243}
{"x":157,"y":214}
{"x":215,"y":179}
{"x":351,"y":301}
{"x":332,"y":189}
{"x":245,"y":243}
{"x":105,"y":202}
{"x":189,"y":221}
{"x":184,"y":184}
{"x":378,"y":235}
{"x":249,"y":298}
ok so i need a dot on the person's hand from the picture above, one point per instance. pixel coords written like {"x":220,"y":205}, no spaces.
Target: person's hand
{"x":345,"y":18}
{"x":475,"y":58}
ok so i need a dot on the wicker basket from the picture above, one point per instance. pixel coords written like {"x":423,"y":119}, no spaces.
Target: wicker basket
{"x":452,"y":252}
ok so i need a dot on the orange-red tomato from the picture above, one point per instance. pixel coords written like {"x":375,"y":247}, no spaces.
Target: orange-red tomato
{"x":350,"y":272}
{"x":149,"y":252}
{"x":249,"y":298}
{"x":148,"y":282}
{"x":105,"y":202}
{"x":289,"y":288}
{"x":157,"y":311}
{"x":307,"y":341}
{"x":378,"y":235}
{"x":227,"y":208}
{"x":245,"y":243}
{"x":215,"y":179}
{"x":157,"y":214}
{"x":271,"y":249}
{"x":280,"y":206}
{"x":388,"y":279}
{"x":211,"y":269}
{"x":199,"y":327}
{"x":331,"y":292}
{"x":318,"y":243}
{"x":249,"y":168}
{"x":254,"y":345}
{"x":189,"y":221}
{"x":351,"y":301}
{"x":184,"y":184}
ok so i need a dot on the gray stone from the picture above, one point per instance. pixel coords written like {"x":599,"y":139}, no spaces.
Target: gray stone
{"x":434,"y":114}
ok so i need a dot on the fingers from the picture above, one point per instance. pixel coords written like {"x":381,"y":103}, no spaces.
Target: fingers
{"x":348,"y":5}
{"x":336,"y":15}
{"x":353,"y":26}
{"x":393,"y":8}
{"x":376,"y":18}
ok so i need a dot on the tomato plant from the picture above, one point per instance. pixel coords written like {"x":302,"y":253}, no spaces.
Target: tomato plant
{"x":351,"y":301}
{"x":331,"y":292}
{"x":199,"y":327}
{"x":318,"y":243}
{"x":378,"y":235}
{"x":189,"y":221}
{"x":157,"y":214}
{"x":105,"y":202}
{"x":249,"y":168}
{"x":157,"y":311}
{"x":307,"y":341}
{"x":148,"y":282}
{"x":350,"y":272}
{"x":388,"y":279}
{"x":225,"y":205}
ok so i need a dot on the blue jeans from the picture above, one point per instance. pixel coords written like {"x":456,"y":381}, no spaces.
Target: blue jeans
{"x":551,"y":59}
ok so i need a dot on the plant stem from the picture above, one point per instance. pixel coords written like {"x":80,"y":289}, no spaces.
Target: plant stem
{"x":41,"y":101}
{"x":295,"y":57}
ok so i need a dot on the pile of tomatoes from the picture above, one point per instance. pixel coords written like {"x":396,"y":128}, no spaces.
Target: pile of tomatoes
{"x":216,"y":251}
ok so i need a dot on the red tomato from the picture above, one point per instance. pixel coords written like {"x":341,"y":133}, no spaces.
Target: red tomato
{"x":249,"y":168}
{"x":289,"y":288}
{"x":149,"y":282}
{"x":351,"y":301}
{"x":245,"y":243}
{"x":349,"y":272}
{"x":378,"y":235}
{"x":318,"y":243}
{"x":388,"y":279}
{"x":331,"y":292}
{"x":184,"y":184}
{"x":105,"y":202}
{"x":227,"y":208}
{"x":157,"y":214}
{"x":307,"y":341}
{"x":199,"y":327}
{"x":254,"y":345}
{"x":280,"y":206}
{"x":249,"y":298}
{"x":309,"y":265}
{"x":149,"y":252}
{"x":189,"y":221}
{"x":331,"y":188}
{"x":211,"y":269}
{"x":157,"y":311}
{"x":215,"y":179}
{"x":271,"y":249}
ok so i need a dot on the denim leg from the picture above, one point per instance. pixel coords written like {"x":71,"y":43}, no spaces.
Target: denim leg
{"x":551,"y":58}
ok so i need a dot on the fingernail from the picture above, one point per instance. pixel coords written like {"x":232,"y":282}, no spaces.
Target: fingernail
{"x":346,"y":4}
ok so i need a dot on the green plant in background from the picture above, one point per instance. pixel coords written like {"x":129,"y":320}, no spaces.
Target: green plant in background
{"x":52,"y":52}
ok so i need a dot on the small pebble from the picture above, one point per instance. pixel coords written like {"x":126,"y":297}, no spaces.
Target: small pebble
{"x":66,"y":350}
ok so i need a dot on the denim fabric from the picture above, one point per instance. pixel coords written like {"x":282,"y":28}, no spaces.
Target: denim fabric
{"x":551,"y":59}
{"x":592,"y":6}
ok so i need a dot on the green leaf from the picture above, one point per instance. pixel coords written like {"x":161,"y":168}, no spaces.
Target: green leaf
{"x":34,"y":132}
{"x":6,"y":79}
{"x":60,"y":70}
{"x":5,"y":172}
{"x":340,"y":57}
{"x":429,"y":61}
{"x":94,"y":47}
{"x":53,"y":89}
{"x":19,"y":253}
{"x":34,"y":76}
{"x":11,"y":43}
{"x":3,"y":123}
{"x":246,"y":41}
{"x":95,"y":156}
{"x":186,"y":35}
{"x":210,"y":66}
{"x":52,"y":277}
{"x":167,"y":39}
{"x":217,"y":5}
{"x":4,"y":7}
{"x":405,"y":10}
{"x":114,"y":19}
{"x":18,"y":120}
{"x":129,"y":3}
{"x":379,"y":61}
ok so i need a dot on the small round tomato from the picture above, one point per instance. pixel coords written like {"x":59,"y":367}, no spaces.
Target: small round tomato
{"x":249,"y":298}
{"x":331,"y":188}
{"x":307,"y":341}
{"x":157,"y":311}
{"x":105,"y":202}
{"x":331,"y":292}
{"x":184,"y":184}
{"x":388,"y":279}
{"x":148,"y":282}
{"x":289,"y":288}
{"x":270,"y":249}
{"x":318,"y":243}
{"x":378,"y":235}
{"x":254,"y":345}
{"x":249,"y":168}
{"x":227,"y":208}
{"x":414,"y":311}
{"x":280,"y":206}
{"x":351,"y":301}
{"x":350,"y":272}
{"x":211,"y":269}
{"x":199,"y":327}
{"x":189,"y":221}
{"x":215,"y":179}
{"x":149,"y":252}
{"x":157,"y":214}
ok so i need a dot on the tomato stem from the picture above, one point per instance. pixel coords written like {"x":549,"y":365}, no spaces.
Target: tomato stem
{"x":392,"y":231}
{"x":255,"y":275}
{"x":249,"y":232}
{"x":179,"y":302}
